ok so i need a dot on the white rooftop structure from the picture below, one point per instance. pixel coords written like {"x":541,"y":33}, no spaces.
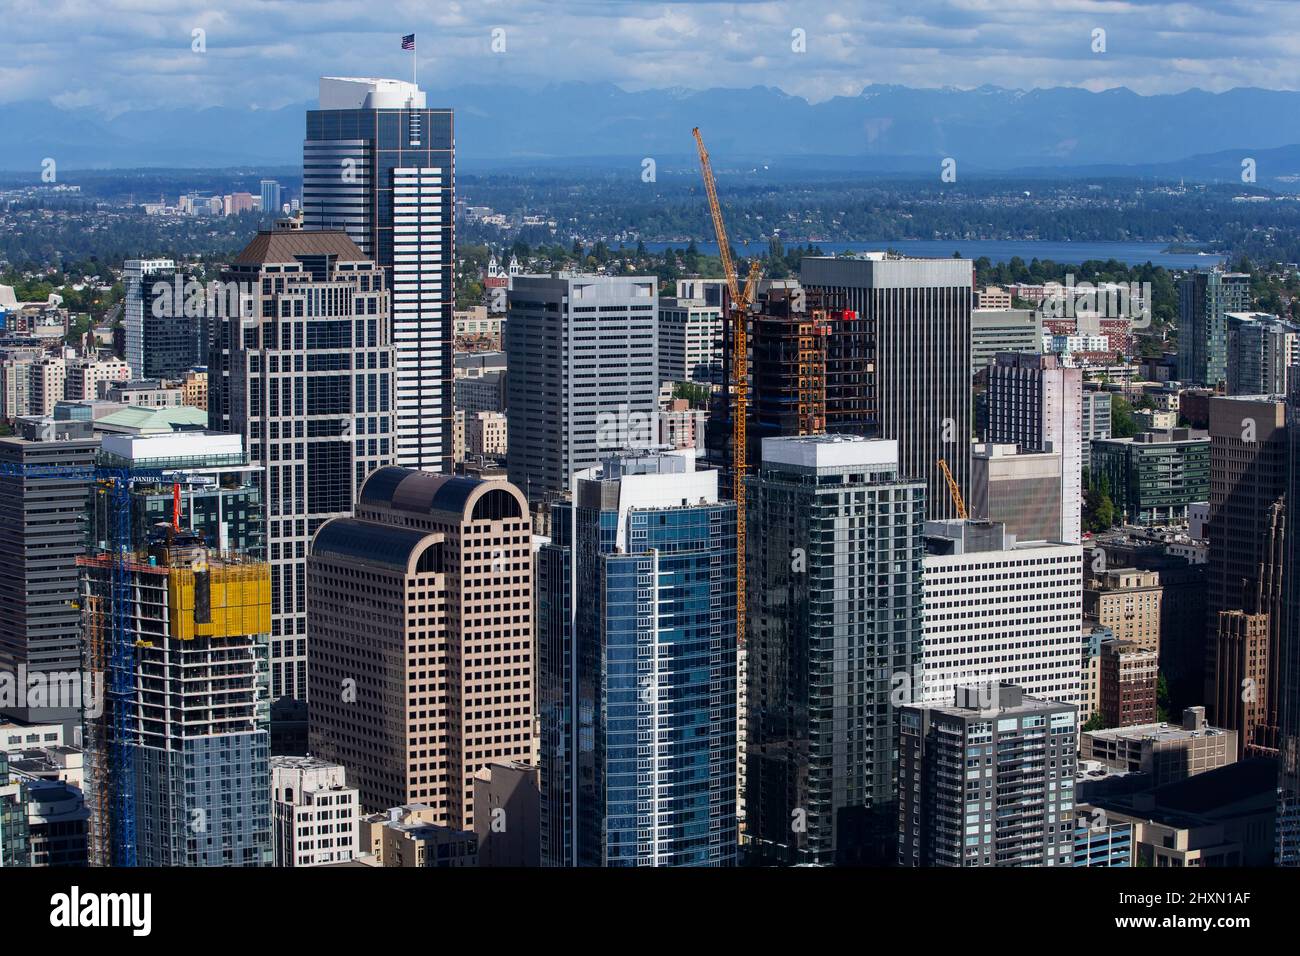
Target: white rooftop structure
{"x":830,"y":451}
{"x":368,"y":93}
{"x":173,"y":445}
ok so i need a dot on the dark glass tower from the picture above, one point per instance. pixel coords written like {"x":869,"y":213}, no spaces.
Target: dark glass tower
{"x":835,"y":595}
{"x":380,"y":166}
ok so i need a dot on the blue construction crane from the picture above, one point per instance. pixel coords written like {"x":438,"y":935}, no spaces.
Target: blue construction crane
{"x":121,"y":657}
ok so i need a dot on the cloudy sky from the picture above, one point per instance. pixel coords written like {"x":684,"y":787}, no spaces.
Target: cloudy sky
{"x":120,"y":54}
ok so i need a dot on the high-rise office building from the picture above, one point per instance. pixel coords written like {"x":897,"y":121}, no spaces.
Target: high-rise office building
{"x":179,"y":761}
{"x":167,"y":326}
{"x":380,"y":165}
{"x":690,"y":341}
{"x":999,"y":609}
{"x":1035,"y":403}
{"x":1095,"y":422}
{"x":45,"y":480}
{"x":1204,"y":301}
{"x":909,"y":345}
{"x":835,"y":615}
{"x":994,"y":330}
{"x":15,"y":830}
{"x":636,"y":645}
{"x":1262,"y":350}
{"x":305,"y":373}
{"x":584,"y":375}
{"x":1247,"y":534}
{"x":1019,"y":489}
{"x":987,"y":781}
{"x":1287,"y":844}
{"x":271,"y":199}
{"x":420,"y":613}
{"x":1154,"y":476}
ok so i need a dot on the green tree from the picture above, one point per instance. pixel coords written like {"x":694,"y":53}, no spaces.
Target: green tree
{"x":1122,"y":422}
{"x":1094,"y":723}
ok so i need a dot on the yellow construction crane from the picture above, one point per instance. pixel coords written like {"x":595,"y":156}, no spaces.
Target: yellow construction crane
{"x":953,"y":490}
{"x":740,"y":301}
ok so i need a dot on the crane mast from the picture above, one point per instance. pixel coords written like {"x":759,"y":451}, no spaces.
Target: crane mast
{"x":740,"y":301}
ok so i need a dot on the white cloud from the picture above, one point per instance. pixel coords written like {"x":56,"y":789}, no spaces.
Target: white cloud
{"x":119,"y":54}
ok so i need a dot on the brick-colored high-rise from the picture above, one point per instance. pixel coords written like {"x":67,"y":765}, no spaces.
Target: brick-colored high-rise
{"x":420,"y":626}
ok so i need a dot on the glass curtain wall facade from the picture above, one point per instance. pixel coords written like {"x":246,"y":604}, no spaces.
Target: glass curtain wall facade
{"x":835,"y":605}
{"x":637,"y":651}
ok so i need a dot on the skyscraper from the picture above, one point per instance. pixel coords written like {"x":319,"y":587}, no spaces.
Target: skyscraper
{"x":1204,"y":300}
{"x":636,"y":643}
{"x":1287,"y":849}
{"x":584,"y":376}
{"x":987,"y":781}
{"x":984,"y":622}
{"x":910,"y":343}
{"x":1035,"y":403}
{"x":1247,"y":534}
{"x":835,"y":616}
{"x":421,"y":625}
{"x":45,"y":479}
{"x":271,"y":201}
{"x":167,"y":327}
{"x":1262,"y":351}
{"x":380,"y":166}
{"x":179,"y":761}
{"x":304,"y":371}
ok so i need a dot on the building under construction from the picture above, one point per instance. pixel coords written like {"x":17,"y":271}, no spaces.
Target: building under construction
{"x":808,"y":373}
{"x":177,"y":613}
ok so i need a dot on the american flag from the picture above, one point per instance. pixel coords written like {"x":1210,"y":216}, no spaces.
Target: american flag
{"x":408,"y":42}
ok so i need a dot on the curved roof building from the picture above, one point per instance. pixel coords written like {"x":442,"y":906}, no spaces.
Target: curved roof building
{"x":420,"y":616}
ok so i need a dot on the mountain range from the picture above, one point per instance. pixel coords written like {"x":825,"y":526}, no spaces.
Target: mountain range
{"x":884,"y":128}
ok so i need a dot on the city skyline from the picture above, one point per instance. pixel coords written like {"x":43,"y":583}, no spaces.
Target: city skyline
{"x":397,"y":516}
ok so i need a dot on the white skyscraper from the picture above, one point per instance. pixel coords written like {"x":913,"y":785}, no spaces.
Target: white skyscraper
{"x":996,"y":608}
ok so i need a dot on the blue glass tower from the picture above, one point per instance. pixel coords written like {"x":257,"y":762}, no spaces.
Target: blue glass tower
{"x":637,"y":650}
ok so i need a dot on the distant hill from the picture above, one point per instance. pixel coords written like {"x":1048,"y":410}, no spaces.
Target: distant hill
{"x":884,"y":129}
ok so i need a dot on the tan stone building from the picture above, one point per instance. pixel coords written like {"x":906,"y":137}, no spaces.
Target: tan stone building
{"x":1167,"y":751}
{"x":1240,"y":677}
{"x":485,"y":434}
{"x":420,"y":623}
{"x":1127,"y":675}
{"x":195,"y":389}
{"x":1128,"y":602}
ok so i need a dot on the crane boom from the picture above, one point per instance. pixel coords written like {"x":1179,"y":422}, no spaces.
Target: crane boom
{"x":954,"y":490}
{"x":719,"y":227}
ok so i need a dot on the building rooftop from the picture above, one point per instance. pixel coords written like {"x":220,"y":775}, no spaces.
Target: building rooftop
{"x":287,"y":245}
{"x":830,"y":451}
{"x":140,"y":419}
{"x":292,"y":762}
{"x":1159,"y":733}
{"x":1001,"y":698}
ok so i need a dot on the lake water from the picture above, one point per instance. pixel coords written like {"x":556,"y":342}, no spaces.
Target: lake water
{"x":1131,"y":253}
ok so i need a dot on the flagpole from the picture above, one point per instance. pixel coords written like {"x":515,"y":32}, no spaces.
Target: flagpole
{"x":415,"y":65}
